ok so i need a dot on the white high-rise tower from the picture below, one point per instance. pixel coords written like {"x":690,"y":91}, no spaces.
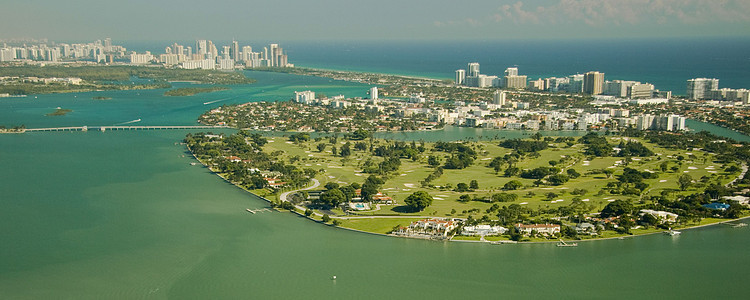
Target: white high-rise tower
{"x":474,"y":69}
{"x":460,"y":76}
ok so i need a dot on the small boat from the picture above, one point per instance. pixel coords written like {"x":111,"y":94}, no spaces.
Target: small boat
{"x":739,"y":225}
{"x":672,"y":232}
{"x":564,"y":244}
{"x":250,"y":211}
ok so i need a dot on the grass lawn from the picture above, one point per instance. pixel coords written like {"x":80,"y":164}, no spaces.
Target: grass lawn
{"x":376,"y":225}
{"x":400,"y":184}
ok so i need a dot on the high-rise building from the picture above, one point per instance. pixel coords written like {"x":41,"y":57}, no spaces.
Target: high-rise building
{"x":499,"y":98}
{"x":699,"y":88}
{"x":374,"y":93}
{"x":201,"y":47}
{"x":474,"y":69}
{"x":305,"y":97}
{"x":485,"y":81}
{"x":575,"y":83}
{"x":226,"y":52}
{"x":593,"y":83}
{"x":511,"y":71}
{"x":617,"y":88}
{"x":273,"y":55}
{"x":234,"y":53}
{"x":640,"y":91}
{"x":460,"y":76}
{"x":514,"y":81}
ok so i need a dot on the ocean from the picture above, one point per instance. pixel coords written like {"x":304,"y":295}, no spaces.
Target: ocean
{"x":666,"y":63}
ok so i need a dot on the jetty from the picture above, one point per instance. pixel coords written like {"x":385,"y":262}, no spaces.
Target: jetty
{"x":255,"y":211}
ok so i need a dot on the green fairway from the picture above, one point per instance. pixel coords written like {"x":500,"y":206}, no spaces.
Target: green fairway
{"x":590,"y":187}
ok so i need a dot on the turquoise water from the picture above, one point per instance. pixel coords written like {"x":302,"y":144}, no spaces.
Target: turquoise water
{"x":123,"y":215}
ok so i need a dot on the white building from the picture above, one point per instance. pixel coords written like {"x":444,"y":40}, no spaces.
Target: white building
{"x":460,"y":76}
{"x":698,"y":88}
{"x":306,"y":97}
{"x":473,"y":69}
{"x":483,"y":230}
{"x":206,"y":64}
{"x":662,"y":216}
{"x":226,"y":64}
{"x":169,"y":59}
{"x":543,"y":229}
{"x":374,"y":93}
{"x":145,"y":58}
{"x":499,"y":98}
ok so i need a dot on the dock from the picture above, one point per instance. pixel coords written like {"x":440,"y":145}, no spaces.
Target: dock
{"x":255,"y":211}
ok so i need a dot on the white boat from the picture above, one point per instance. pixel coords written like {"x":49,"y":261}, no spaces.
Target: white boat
{"x":250,"y":210}
{"x":672,"y":232}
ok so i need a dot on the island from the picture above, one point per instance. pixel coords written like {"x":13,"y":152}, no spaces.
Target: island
{"x":190,"y":91}
{"x":79,"y":77}
{"x":537,"y":189}
{"x":59,"y":112}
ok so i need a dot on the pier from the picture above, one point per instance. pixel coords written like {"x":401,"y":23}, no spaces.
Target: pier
{"x":118,"y":128}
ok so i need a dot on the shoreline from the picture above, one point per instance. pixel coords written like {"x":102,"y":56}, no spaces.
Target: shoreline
{"x":500,"y":242}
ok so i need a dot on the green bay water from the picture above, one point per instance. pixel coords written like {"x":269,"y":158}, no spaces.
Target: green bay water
{"x":124,"y":215}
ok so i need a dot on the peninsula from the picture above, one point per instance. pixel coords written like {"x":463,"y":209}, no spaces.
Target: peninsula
{"x":538,"y":189}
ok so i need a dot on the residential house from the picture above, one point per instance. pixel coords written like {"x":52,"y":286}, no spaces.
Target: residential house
{"x":543,"y":229}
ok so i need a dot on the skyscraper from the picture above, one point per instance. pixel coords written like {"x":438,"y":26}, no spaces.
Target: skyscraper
{"x":201,"y":47}
{"x":499,"y":98}
{"x":699,"y":88}
{"x":234,"y":52}
{"x":274,"y":55}
{"x":474,"y":69}
{"x":593,"y":82}
{"x":374,"y":93}
{"x":460,"y":76}
{"x":511,"y":72}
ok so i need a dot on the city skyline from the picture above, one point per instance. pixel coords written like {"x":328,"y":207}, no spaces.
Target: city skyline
{"x":338,"y":19}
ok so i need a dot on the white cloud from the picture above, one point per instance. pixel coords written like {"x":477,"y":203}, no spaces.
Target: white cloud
{"x":625,"y":12}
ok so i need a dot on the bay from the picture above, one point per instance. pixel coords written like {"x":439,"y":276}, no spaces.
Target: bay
{"x":123,"y":215}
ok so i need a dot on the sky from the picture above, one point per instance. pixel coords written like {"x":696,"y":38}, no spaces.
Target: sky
{"x":147,"y":20}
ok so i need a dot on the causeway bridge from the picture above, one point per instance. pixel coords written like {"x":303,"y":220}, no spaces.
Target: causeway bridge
{"x":117,"y":128}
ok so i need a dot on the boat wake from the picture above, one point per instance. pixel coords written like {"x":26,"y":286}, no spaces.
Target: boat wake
{"x":129,"y":122}
{"x":212,"y":102}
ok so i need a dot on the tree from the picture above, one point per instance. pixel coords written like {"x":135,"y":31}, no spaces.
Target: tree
{"x":326,"y":218}
{"x":346,"y":150}
{"x":332,"y":197}
{"x":418,"y":201}
{"x":511,"y":171}
{"x":685,"y":180}
{"x":616,"y":208}
{"x":512,"y":185}
{"x":321,"y":147}
{"x":503,"y":197}
{"x":464,"y":198}
{"x":462,"y":187}
{"x":474,"y":184}
{"x":331,"y":185}
{"x":558,"y":179}
{"x":433,"y":161}
{"x":573,"y":174}
{"x":308,"y":212}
